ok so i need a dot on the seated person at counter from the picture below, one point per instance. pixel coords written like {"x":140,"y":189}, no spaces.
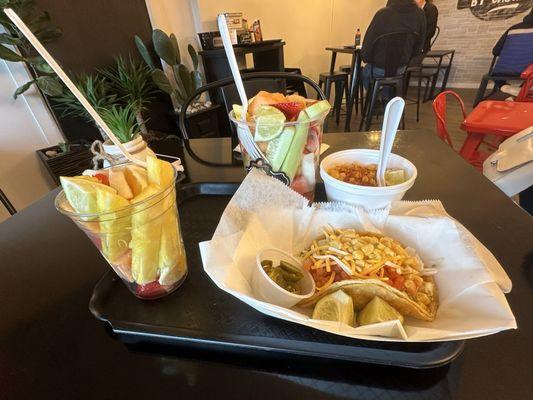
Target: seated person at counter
{"x":432,"y":15}
{"x":397,"y":16}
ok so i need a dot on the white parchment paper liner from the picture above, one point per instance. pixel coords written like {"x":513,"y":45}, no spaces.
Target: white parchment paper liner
{"x":265,"y":213}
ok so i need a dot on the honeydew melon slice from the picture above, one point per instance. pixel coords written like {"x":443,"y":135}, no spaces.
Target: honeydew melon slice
{"x":278,"y":148}
{"x":292,"y":161}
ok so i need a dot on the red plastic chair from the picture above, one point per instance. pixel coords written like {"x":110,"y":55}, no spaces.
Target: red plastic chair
{"x":526,"y":92}
{"x":439,"y":107}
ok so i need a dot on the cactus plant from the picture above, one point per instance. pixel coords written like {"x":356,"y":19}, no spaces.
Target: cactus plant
{"x":182,"y":82}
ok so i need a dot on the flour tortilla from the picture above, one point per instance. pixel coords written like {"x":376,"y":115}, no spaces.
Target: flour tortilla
{"x":364,"y":290}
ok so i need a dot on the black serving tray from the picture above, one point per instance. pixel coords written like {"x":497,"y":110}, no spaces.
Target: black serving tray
{"x":200,"y":315}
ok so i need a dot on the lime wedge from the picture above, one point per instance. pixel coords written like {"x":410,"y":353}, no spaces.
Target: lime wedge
{"x":395,"y":177}
{"x":337,"y":306}
{"x":378,"y":310}
{"x":269,"y":123}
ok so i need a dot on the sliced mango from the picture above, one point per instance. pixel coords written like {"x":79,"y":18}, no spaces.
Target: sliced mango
{"x":136,"y":177}
{"x":117,"y":180}
{"x":114,"y":226}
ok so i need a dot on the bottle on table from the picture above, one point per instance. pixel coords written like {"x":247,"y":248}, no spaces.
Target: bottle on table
{"x":358,"y":37}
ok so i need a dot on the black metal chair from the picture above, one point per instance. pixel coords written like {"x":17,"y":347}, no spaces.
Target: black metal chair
{"x":396,"y":44}
{"x":418,"y":70}
{"x":7,"y":204}
{"x":498,"y":80}
{"x":268,"y":80}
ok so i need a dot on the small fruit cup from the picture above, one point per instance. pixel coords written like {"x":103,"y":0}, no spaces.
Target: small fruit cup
{"x":141,"y":241}
{"x":291,"y":149}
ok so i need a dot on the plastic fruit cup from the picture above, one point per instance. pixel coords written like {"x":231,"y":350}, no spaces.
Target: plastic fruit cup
{"x":269,"y":291}
{"x":369,"y":197}
{"x":142,"y":242}
{"x":293,"y":154}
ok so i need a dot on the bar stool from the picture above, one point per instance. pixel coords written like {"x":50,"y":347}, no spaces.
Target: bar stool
{"x":340,"y":80}
{"x":376,"y":85}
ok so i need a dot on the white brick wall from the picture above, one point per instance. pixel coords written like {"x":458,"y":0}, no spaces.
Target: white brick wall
{"x":472,"y":39}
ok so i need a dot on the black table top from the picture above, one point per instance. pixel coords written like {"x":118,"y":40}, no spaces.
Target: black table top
{"x":344,"y":49}
{"x":51,"y":347}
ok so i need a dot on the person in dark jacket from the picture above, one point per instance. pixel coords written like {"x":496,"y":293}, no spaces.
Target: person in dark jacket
{"x":527,"y":23}
{"x":397,"y":16}
{"x":432,"y":15}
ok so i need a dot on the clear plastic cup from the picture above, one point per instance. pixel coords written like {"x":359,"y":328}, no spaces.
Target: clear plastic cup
{"x":142,"y":242}
{"x":295,"y":162}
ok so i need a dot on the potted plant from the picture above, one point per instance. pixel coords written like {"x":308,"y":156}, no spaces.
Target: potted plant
{"x":130,"y":81}
{"x":39,"y":23}
{"x":182,"y":82}
{"x":120,"y":109}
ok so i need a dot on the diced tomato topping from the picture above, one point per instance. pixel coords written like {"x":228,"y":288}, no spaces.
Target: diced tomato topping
{"x":395,"y":280}
{"x":102,"y":178}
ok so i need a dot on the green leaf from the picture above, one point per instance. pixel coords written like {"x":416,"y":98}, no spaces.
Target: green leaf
{"x":7,"y":39}
{"x":185,"y":79}
{"x":176,"y":47}
{"x":22,"y":89}
{"x":196,"y":79}
{"x":143,"y":50}
{"x":9,"y":55}
{"x":161,"y":80}
{"x":164,"y":47}
{"x":49,"y":35}
{"x":194,"y":56}
{"x":50,"y":85}
{"x":182,"y":93}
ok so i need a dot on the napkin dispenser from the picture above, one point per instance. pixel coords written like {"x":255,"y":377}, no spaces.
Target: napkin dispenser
{"x":511,"y":166}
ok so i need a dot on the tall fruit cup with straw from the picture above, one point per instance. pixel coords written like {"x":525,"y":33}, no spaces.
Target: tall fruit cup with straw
{"x":129,"y":212}
{"x":280,"y":135}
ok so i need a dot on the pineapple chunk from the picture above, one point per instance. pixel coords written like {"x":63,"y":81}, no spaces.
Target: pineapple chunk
{"x":114,"y":227}
{"x":146,"y":224}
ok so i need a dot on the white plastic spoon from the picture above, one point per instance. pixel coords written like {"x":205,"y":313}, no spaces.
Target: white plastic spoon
{"x":391,"y":120}
{"x":66,"y":80}
{"x":246,"y":137}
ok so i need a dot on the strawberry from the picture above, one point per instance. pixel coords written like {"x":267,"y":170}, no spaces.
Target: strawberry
{"x":291,"y":109}
{"x":150,"y":290}
{"x":102,"y":178}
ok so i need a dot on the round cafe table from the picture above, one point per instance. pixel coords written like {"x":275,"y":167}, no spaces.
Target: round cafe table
{"x":51,"y":347}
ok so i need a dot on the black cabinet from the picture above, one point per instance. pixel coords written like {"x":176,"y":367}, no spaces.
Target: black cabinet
{"x":267,"y":56}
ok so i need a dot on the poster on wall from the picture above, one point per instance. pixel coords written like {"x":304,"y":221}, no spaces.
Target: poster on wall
{"x":489,"y":10}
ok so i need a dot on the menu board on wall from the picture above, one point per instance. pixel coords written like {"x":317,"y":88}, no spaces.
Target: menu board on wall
{"x":495,"y":9}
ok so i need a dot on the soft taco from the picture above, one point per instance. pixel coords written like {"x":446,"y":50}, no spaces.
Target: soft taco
{"x":365,"y":265}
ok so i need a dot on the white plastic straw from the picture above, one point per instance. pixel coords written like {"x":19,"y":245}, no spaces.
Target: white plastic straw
{"x":72,"y":87}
